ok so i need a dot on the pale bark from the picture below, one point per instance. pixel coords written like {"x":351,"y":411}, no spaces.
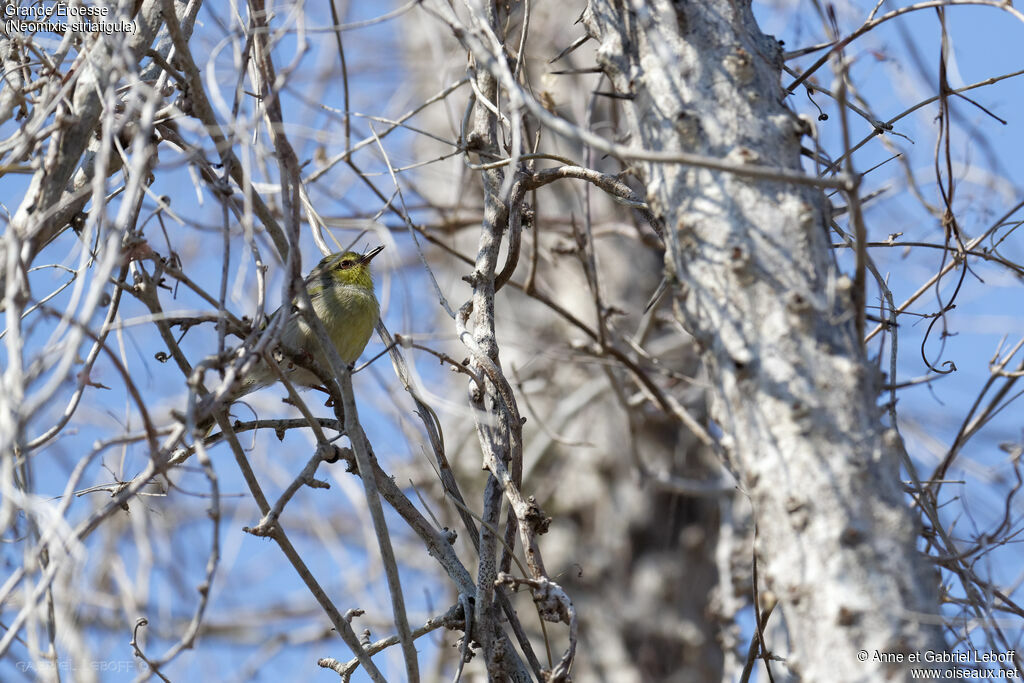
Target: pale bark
{"x":791,"y":387}
{"x":748,"y":250}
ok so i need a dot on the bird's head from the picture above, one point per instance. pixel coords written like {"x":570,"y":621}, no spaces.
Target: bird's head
{"x":347,"y":268}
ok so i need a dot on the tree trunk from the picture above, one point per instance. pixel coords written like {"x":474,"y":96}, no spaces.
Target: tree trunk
{"x":791,"y":388}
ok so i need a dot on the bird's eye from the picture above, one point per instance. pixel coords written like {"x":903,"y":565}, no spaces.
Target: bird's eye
{"x":347,"y":263}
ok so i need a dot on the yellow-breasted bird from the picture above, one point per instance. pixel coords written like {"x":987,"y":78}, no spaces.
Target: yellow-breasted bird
{"x":341,"y":291}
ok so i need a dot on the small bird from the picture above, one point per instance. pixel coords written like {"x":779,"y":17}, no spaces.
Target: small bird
{"x":341,"y":291}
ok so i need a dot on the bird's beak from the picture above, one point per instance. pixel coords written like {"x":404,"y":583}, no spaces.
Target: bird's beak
{"x":370,"y":254}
